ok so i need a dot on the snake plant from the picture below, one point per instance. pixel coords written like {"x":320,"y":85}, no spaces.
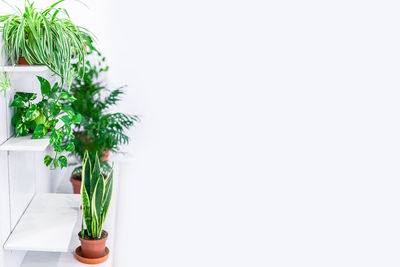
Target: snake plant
{"x":46,"y":37}
{"x":96,"y":193}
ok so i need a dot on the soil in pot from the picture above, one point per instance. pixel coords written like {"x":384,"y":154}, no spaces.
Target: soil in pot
{"x":93,"y":248}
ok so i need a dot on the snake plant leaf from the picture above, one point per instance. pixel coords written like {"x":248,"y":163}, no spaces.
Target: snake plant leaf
{"x":96,"y":201}
{"x":86,"y":207}
{"x":86,"y":172}
{"x":96,"y":173}
{"x":107,"y":196}
{"x":82,"y":228}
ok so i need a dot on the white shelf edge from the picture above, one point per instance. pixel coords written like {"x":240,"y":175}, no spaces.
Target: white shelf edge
{"x":48,"y":224}
{"x":18,"y":69}
{"x":25,"y":143}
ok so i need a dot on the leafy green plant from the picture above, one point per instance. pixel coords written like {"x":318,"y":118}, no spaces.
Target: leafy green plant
{"x":45,"y":37}
{"x":52,"y":115}
{"x":100,"y":130}
{"x":96,"y":192}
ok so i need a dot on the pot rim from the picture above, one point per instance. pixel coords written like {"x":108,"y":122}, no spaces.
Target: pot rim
{"x":73,"y":177}
{"x":93,"y":240}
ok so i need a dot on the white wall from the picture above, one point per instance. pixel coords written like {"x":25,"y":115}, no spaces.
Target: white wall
{"x":270,"y":132}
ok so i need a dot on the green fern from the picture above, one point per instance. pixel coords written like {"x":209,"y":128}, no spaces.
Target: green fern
{"x":100,"y":130}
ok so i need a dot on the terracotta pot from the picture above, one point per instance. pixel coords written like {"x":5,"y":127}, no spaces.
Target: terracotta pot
{"x":22,"y":61}
{"x":104,"y":155}
{"x":76,"y":183}
{"x":93,"y":249}
{"x":79,"y":257}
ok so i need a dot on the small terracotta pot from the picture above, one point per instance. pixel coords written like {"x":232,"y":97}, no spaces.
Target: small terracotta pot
{"x":22,"y":61}
{"x":104,"y":155}
{"x":76,"y":183}
{"x":93,"y":249}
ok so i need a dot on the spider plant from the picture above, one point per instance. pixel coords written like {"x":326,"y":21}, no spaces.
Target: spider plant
{"x":96,"y":197}
{"x":46,"y":37}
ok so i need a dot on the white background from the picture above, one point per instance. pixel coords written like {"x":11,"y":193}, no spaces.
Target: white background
{"x":270,"y":131}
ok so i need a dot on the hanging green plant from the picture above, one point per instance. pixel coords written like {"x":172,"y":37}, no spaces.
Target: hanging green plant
{"x":52,"y":116}
{"x":46,"y":37}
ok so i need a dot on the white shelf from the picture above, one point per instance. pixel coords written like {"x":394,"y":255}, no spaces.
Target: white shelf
{"x":25,"y":143}
{"x":53,"y":259}
{"x":33,"y":68}
{"x":48,"y":224}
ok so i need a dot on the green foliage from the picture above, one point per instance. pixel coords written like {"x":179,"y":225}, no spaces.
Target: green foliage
{"x":47,"y":117}
{"x":45,"y":37}
{"x":5,"y":82}
{"x":100,"y":130}
{"x":96,"y":193}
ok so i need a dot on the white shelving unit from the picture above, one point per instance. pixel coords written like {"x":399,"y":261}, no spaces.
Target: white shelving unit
{"x":48,"y":224}
{"x":38,"y":226}
{"x":19,"y":69}
{"x":36,"y":229}
{"x":25,"y":143}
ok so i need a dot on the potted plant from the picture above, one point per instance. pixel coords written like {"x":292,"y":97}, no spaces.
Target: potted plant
{"x":49,"y":37}
{"x":100,"y":130}
{"x":96,"y":199}
{"x":51,"y":116}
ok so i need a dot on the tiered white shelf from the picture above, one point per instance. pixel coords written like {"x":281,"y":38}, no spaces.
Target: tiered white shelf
{"x":25,"y":143}
{"x":30,"y":68}
{"x":49,"y":224}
